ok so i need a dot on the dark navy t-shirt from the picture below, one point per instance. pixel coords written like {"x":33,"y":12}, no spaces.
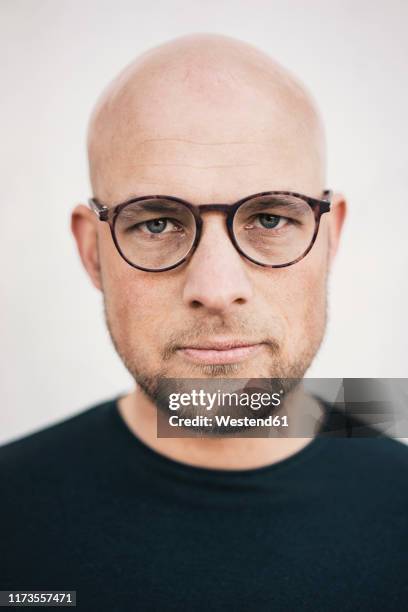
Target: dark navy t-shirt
{"x":87,"y":506}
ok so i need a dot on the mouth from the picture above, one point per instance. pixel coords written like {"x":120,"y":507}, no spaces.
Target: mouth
{"x":220,"y":352}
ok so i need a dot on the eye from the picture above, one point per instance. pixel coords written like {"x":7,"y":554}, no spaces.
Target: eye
{"x":158,"y":226}
{"x":269,"y":221}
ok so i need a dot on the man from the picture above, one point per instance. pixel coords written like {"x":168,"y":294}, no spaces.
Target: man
{"x":100,"y":503}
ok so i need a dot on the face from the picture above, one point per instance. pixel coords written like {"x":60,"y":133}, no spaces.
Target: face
{"x":218,"y":148}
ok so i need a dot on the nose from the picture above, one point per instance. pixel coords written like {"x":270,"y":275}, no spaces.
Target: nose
{"x":216,"y":278}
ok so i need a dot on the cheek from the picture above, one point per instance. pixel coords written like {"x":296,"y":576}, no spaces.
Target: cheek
{"x":312,"y":289}
{"x":127,"y":290}
{"x":298,"y":293}
{"x":138,"y":304}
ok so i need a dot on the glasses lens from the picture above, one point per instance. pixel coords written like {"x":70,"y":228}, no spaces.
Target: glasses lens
{"x":275,"y":229}
{"x":155,"y":233}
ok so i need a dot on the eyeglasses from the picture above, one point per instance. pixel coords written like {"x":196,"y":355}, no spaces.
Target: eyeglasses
{"x":156,"y":233}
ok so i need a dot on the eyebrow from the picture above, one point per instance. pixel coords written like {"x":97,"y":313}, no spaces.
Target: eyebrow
{"x":153,"y":206}
{"x":292,"y":207}
{"x":284,"y":203}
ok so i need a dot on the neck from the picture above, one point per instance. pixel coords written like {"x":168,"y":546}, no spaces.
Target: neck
{"x":230,"y":453}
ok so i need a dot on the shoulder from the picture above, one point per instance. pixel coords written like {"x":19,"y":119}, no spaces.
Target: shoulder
{"x":383,"y":452}
{"x":55,"y":443}
{"x":364,"y":452}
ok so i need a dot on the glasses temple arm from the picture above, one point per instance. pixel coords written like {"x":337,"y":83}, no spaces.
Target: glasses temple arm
{"x":100,"y":210}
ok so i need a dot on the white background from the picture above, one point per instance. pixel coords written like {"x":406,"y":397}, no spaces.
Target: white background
{"x":56,"y":56}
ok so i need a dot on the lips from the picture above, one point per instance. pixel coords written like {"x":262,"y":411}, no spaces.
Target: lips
{"x":220,"y":352}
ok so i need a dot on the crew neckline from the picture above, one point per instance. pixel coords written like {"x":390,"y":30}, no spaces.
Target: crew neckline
{"x":317,"y":444}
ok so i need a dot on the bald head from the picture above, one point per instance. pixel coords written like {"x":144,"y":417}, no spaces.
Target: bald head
{"x":205,"y":117}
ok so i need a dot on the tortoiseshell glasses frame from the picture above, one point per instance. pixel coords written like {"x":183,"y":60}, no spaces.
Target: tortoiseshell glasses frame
{"x":111,"y":215}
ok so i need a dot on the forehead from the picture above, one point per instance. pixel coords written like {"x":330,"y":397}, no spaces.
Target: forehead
{"x":204,"y":139}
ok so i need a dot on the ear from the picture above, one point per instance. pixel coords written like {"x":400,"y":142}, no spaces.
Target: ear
{"x":83,"y":226}
{"x":336,"y":218}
